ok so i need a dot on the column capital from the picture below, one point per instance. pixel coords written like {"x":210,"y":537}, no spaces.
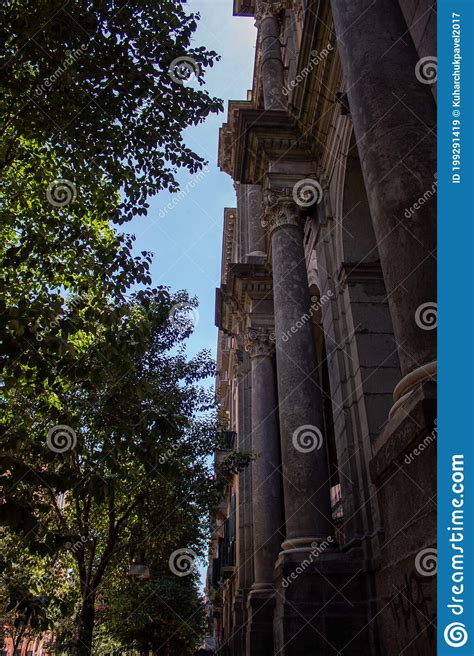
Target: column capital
{"x":267,"y":8}
{"x":280,"y":210}
{"x":260,"y":342}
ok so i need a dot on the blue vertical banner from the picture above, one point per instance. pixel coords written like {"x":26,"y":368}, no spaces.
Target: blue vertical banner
{"x":456,"y":327}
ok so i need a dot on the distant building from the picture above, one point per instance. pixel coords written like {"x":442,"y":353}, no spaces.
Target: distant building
{"x":326,"y":310}
{"x":27,"y":647}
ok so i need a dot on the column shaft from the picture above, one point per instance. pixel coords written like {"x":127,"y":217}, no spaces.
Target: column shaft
{"x":272,"y":64}
{"x":394,"y":119}
{"x":303,"y":444}
{"x":267,"y":505}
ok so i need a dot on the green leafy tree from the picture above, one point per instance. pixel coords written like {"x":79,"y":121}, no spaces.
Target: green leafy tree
{"x":93,"y":108}
{"x":102,"y":85}
{"x":32,"y":597}
{"x":91,"y":454}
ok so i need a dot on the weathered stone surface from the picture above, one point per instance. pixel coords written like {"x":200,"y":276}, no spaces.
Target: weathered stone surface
{"x":404,"y":469}
{"x":267,"y":502}
{"x":364,"y":241}
{"x":261,"y":610}
{"x":394,"y":117}
{"x":324,"y":610}
{"x":305,"y":466}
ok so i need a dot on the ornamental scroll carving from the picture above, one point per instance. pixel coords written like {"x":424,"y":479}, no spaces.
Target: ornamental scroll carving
{"x":260,"y":342}
{"x":280,"y":210}
{"x":266,"y":8}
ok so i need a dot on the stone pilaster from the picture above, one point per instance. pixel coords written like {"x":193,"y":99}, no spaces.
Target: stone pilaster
{"x":266,"y":491}
{"x":251,"y":232}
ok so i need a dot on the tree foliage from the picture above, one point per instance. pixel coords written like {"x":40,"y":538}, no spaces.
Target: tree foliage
{"x":106,"y":428}
{"x":91,"y":79}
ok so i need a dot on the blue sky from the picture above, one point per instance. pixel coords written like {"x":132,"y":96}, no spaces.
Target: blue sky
{"x":187,"y":240}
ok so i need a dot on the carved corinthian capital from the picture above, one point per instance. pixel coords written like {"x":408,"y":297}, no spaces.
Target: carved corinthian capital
{"x":280,"y":210}
{"x":266,"y":8}
{"x":260,"y":342}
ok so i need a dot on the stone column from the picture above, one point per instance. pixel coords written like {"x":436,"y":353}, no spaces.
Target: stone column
{"x":394,"y":117}
{"x":271,"y":60}
{"x":267,"y":504}
{"x":310,"y":569}
{"x":303,"y":448}
{"x":244,"y":561}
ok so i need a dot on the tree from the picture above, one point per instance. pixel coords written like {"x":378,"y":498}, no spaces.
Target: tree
{"x":94,"y":107}
{"x":164,"y":615}
{"x":32,"y":598}
{"x":130,"y":436}
{"x":102,"y":86}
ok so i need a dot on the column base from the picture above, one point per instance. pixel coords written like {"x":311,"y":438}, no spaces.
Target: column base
{"x":409,"y":383}
{"x":260,"y":613}
{"x":403,"y":470}
{"x":321,"y":605}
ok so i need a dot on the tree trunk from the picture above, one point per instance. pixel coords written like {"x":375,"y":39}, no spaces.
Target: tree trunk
{"x":85,"y":628}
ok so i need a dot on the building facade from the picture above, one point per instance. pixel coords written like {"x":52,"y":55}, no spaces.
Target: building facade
{"x":325,"y":544}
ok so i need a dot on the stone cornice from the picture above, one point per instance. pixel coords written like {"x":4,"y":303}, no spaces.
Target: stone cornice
{"x":228,"y":241}
{"x":256,"y":7}
{"x":244,"y":7}
{"x":252,"y":139}
{"x":353,"y":272}
{"x":246,"y":282}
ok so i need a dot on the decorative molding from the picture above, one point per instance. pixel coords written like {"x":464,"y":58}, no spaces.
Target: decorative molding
{"x":237,"y":365}
{"x":356,"y":272}
{"x":280,"y":211}
{"x":260,"y":342}
{"x":251,"y":140}
{"x":267,"y":8}
{"x":230,"y":223}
